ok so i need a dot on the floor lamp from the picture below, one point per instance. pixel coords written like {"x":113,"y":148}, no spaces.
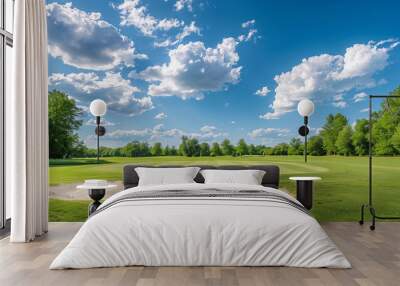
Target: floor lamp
{"x":369,"y":205}
{"x":305,"y":109}
{"x":98,"y":108}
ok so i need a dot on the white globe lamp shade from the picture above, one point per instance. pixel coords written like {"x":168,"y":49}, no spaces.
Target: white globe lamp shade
{"x":98,"y":107}
{"x":305,"y":107}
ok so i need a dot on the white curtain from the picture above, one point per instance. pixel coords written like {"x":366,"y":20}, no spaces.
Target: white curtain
{"x":27,"y":123}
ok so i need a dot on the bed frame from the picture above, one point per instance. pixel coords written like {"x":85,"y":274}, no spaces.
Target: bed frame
{"x":271,"y":177}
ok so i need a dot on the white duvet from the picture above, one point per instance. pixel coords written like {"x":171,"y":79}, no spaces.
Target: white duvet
{"x":203,"y":232}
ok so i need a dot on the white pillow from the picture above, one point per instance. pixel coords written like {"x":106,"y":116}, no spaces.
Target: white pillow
{"x":166,"y":176}
{"x":248,"y":177}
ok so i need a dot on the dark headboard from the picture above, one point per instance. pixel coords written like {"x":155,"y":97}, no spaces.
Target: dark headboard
{"x":271,"y":177}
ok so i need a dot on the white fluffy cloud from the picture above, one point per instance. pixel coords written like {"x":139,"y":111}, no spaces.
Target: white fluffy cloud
{"x":104,"y":122}
{"x":248,"y":24}
{"x":364,"y":60}
{"x":324,"y":77}
{"x":194,"y":70}
{"x":209,"y":132}
{"x":168,"y":24}
{"x":263,"y":91}
{"x":186,"y":31}
{"x":340,"y":104}
{"x":182,"y":4}
{"x":160,"y":116}
{"x":265,"y":132}
{"x":338,"y":101}
{"x":134,"y":14}
{"x":359,"y":96}
{"x":252,"y":32}
{"x":158,"y":132}
{"x":116,"y":91}
{"x":83,"y":40}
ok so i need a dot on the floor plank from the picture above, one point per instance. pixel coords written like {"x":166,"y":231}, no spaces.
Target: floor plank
{"x":375,"y":257}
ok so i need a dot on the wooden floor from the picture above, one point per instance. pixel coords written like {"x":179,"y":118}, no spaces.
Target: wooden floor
{"x":375,"y":257}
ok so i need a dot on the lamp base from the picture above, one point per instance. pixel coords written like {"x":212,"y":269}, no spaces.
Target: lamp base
{"x":96,"y":195}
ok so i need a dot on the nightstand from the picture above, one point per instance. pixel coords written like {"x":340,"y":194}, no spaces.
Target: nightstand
{"x":304,"y":190}
{"x":96,"y":190}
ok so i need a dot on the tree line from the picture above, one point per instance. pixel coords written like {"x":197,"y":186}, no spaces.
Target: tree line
{"x":337,"y":137}
{"x":189,"y":147}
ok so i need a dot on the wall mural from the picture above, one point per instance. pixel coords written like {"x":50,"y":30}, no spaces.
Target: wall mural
{"x":209,"y":71}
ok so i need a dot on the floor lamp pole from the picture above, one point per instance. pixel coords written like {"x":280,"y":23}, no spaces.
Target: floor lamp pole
{"x":98,"y":137}
{"x":305,"y":138}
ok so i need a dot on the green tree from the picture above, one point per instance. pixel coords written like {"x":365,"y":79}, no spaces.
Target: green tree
{"x":330,"y":131}
{"x":166,"y":151}
{"x":360,"y":137}
{"x":130,"y":149}
{"x":144,"y":149}
{"x":204,"y":149}
{"x":136,"y":149}
{"x":268,"y":150}
{"x":280,"y":149}
{"x":89,"y":153}
{"x":173,"y":151}
{"x":395,"y":140}
{"x":117,"y":152}
{"x":227,"y":148}
{"x":189,"y":147}
{"x":194,"y":147}
{"x":80,"y":150}
{"x":241,"y":148}
{"x":315,"y":146}
{"x":260,"y":149}
{"x":215,"y":150}
{"x":295,"y":147}
{"x":184,"y":146}
{"x":106,"y":151}
{"x":383,"y":129}
{"x":63,"y":123}
{"x":156,"y":149}
{"x":252,"y":149}
{"x":385,"y":123}
{"x":343,"y":143}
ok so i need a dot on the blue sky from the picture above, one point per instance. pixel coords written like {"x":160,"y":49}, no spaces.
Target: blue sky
{"x":215,"y":70}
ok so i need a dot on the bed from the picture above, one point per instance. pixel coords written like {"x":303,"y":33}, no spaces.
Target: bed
{"x":198,"y":224}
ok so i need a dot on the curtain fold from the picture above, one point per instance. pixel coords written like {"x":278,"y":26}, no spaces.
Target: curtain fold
{"x":28,"y":123}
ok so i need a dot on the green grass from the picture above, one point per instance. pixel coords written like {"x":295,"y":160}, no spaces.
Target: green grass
{"x":337,"y":197}
{"x":61,"y":210}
